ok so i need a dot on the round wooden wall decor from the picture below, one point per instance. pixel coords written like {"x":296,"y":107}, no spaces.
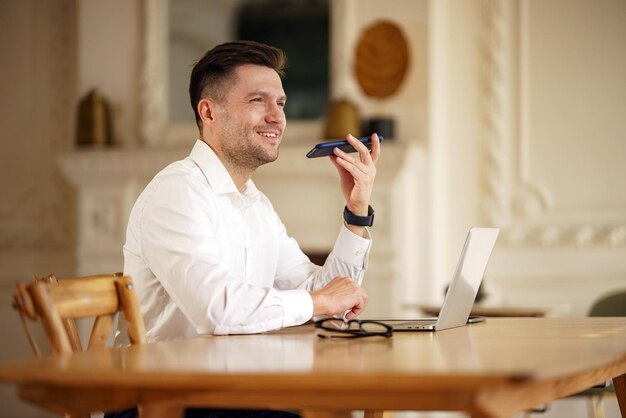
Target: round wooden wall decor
{"x":382,"y":59}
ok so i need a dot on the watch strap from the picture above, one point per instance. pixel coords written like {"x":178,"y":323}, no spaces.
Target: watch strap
{"x":352,"y":219}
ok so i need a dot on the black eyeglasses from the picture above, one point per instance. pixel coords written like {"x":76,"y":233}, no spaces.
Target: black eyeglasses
{"x":354,"y":328}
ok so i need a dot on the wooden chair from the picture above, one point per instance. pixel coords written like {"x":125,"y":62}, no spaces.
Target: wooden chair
{"x":58,"y":303}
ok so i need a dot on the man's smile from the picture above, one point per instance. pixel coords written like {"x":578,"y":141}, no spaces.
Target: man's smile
{"x":270,"y":136}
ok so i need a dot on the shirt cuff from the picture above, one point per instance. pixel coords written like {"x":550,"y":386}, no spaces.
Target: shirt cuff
{"x":298,"y":306}
{"x":352,"y":248}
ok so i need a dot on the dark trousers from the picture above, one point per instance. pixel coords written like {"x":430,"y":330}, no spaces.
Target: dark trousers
{"x":214,"y":413}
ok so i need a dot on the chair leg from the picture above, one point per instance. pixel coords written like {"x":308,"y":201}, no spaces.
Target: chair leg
{"x":600,"y":406}
{"x":591,"y":408}
{"x":595,"y":405}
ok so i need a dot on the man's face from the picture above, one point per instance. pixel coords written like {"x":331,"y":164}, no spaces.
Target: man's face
{"x":251,"y":121}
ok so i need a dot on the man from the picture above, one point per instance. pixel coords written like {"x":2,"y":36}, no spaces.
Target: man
{"x":206,"y":250}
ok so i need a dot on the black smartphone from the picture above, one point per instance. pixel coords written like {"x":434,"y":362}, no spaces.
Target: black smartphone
{"x":325,"y":149}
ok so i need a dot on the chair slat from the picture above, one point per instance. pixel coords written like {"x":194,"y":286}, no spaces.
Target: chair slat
{"x":130,"y":306}
{"x":51,"y":320}
{"x":23,"y":303}
{"x":72,"y":333}
{"x":80,"y":299}
{"x":100,"y":331}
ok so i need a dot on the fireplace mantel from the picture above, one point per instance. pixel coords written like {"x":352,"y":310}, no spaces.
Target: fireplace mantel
{"x":304,"y":192}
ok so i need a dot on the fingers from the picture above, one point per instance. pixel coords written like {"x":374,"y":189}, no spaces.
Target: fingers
{"x":375,"y":148}
{"x":350,"y":315}
{"x":364,"y":155}
{"x":351,"y":165}
{"x":357,"y":309}
{"x":354,"y":297}
{"x":364,"y":152}
{"x":361,"y":164}
{"x":340,"y":295}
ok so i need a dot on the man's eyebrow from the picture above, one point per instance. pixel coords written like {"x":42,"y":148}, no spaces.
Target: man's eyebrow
{"x":264,"y":94}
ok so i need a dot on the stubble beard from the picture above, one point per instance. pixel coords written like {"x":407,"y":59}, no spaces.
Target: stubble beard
{"x":242,"y":149}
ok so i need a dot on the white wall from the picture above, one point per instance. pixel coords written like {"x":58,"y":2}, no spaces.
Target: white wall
{"x":527,"y":133}
{"x":566,"y":206}
{"x":109,"y":57}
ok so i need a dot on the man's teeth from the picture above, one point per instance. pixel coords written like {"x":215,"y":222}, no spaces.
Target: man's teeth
{"x":268,"y":134}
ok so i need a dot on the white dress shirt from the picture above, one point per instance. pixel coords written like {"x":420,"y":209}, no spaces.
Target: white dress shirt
{"x":207,"y":258}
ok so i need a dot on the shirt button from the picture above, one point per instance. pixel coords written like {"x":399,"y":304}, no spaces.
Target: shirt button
{"x":358,"y":253}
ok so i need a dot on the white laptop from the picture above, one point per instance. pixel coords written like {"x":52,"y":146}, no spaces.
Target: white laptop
{"x":463,"y":288}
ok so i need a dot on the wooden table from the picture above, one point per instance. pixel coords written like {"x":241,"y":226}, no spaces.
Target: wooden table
{"x":492,"y":369}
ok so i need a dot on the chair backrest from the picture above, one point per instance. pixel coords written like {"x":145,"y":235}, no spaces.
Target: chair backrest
{"x":57,"y":303}
{"x":23,"y":304}
{"x":613,"y":304}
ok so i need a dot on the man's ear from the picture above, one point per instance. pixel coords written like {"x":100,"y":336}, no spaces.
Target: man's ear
{"x":206,"y":110}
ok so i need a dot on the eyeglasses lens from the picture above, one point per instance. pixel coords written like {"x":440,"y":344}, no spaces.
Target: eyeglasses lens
{"x":373,"y":328}
{"x":356,"y":327}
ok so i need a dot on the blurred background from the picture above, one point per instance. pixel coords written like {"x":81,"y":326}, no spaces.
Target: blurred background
{"x":507,"y":113}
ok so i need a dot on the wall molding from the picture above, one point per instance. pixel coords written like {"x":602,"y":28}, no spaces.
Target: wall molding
{"x":494,"y":96}
{"x":522,"y":207}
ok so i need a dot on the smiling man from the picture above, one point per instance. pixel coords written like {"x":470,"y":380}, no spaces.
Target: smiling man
{"x":206,"y":250}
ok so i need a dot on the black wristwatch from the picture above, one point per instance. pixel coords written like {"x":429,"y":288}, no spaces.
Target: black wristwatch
{"x":352,"y":219}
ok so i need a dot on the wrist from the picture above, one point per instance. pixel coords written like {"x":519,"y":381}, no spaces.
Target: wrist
{"x":318,"y":299}
{"x":359,"y":210}
{"x":358,"y":219}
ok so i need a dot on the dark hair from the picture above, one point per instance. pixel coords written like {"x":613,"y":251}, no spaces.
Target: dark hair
{"x":211,"y":76}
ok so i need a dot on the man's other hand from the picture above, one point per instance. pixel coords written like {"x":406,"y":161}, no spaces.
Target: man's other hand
{"x":340,"y":295}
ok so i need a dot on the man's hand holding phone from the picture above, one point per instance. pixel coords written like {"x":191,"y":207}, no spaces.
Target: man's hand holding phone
{"x":357,"y":174}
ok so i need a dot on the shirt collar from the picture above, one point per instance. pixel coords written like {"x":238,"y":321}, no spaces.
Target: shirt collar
{"x":217,"y":176}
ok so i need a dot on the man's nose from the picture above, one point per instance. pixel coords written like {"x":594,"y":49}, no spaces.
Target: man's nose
{"x":275,"y":114}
